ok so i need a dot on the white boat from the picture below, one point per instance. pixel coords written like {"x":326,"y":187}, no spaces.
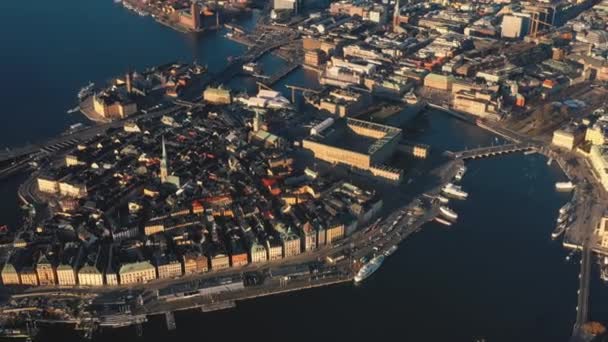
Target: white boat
{"x":73,"y":110}
{"x":369,"y":268}
{"x":86,"y":91}
{"x":390,"y":251}
{"x":558,"y":231}
{"x":442,"y":221}
{"x":252,"y":68}
{"x":411,"y":99}
{"x":460,"y":173}
{"x":564,"y":186}
{"x":604,"y":269}
{"x":454,"y":191}
{"x":565,"y":208}
{"x":442,"y":199}
{"x":447,"y":212}
{"x":604,"y":274}
{"x":562,"y":218}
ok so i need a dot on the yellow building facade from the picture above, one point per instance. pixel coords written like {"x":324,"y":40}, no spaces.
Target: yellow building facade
{"x":169,"y":270}
{"x":137,"y":272}
{"x":66,"y":275}
{"x":258,"y":253}
{"x":9,"y":275}
{"x":90,"y":276}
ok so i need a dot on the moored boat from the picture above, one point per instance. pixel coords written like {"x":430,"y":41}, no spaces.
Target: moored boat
{"x":390,"y":251}
{"x":564,"y":186}
{"x":252,"y":68}
{"x":559,"y":230}
{"x":454,"y":191}
{"x":460,"y":173}
{"x":564,"y":209}
{"x":369,"y":268}
{"x":443,"y":221}
{"x":448,"y":213}
{"x":442,"y":199}
{"x":562,"y":218}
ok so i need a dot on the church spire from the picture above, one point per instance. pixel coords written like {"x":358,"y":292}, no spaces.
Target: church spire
{"x":396,"y":15}
{"x":164,"y":172}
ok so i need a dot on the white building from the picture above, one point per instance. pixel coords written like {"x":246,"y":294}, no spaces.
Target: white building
{"x":599,"y":160}
{"x":515,"y":25}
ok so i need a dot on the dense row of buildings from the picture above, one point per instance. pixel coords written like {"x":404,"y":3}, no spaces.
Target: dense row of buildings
{"x":499,"y":56}
{"x":182,"y":194}
{"x":127,"y":95}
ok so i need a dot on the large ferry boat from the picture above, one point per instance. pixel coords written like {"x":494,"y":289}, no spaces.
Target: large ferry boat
{"x":564,"y":186}
{"x":448,"y":213}
{"x":369,"y":268}
{"x":460,"y":173}
{"x":454,"y":191}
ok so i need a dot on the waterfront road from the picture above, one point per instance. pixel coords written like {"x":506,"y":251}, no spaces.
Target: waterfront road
{"x":582,"y":308}
{"x":71,"y":139}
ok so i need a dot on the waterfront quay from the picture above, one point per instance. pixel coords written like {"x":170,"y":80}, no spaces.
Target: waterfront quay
{"x":218,"y":290}
{"x":588,"y":199}
{"x":187,"y":17}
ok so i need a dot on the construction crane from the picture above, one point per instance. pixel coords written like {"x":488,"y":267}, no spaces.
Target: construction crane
{"x":302,"y":89}
{"x":535,"y":23}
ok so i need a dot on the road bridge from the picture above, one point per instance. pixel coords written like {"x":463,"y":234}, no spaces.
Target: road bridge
{"x":284,"y":71}
{"x":582,"y":307}
{"x":484,"y":152}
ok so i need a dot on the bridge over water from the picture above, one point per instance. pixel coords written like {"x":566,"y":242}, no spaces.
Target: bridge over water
{"x":484,"y":152}
{"x":582,"y":307}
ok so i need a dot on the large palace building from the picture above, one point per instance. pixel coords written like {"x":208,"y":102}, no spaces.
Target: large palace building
{"x":363,"y":145}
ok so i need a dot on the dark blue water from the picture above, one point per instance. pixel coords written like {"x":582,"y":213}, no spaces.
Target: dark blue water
{"x":52,"y":48}
{"x":495,"y":274}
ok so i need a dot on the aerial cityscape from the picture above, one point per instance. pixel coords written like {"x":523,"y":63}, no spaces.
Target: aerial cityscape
{"x":374,"y":169}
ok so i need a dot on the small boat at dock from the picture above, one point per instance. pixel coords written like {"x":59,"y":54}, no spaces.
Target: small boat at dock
{"x":252,"y":68}
{"x":564,"y":186}
{"x":454,"y":191}
{"x":85,"y":91}
{"x":390,"y":251}
{"x":565,"y":208}
{"x":558,"y":231}
{"x":73,"y":110}
{"x":448,"y":213}
{"x":460,"y":173}
{"x":442,"y":199}
{"x":443,"y":221}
